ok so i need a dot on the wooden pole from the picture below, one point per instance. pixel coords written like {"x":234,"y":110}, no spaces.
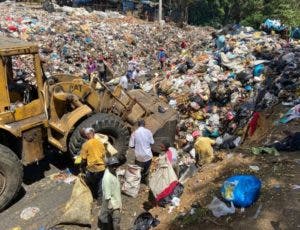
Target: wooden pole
{"x":160,"y":12}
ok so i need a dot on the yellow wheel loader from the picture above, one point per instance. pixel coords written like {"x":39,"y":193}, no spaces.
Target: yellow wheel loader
{"x":35,"y":109}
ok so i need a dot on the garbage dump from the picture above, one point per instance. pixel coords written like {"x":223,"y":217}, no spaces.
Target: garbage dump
{"x":69,"y":36}
{"x":215,"y":90}
{"x":220,"y":82}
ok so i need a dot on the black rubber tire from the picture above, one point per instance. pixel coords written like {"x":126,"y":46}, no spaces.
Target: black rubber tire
{"x":11,"y":169}
{"x":108,"y":124}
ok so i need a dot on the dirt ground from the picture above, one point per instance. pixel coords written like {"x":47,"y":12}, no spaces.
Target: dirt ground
{"x":279,"y":202}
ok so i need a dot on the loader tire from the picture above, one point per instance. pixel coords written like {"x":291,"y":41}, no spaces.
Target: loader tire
{"x":11,"y":176}
{"x":108,"y":124}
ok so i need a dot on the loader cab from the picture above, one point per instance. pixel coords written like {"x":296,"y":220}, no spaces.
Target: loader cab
{"x":21,"y":81}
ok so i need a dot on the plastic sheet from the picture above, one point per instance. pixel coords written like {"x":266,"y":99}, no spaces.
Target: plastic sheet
{"x":219,"y":208}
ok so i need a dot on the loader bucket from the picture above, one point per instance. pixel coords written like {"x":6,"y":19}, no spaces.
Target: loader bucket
{"x":165,"y":133}
{"x":135,"y":104}
{"x":161,"y":124}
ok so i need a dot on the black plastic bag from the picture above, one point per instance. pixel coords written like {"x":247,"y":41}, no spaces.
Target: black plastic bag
{"x":290,"y":143}
{"x":145,"y":221}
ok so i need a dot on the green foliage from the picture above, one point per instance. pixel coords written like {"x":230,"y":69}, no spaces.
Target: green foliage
{"x":287,"y":11}
{"x":247,"y":12}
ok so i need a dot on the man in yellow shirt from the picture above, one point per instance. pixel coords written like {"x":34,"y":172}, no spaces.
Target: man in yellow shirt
{"x":204,"y":149}
{"x":93,"y":157}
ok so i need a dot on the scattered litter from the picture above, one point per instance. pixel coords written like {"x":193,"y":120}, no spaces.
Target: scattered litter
{"x":254,"y":167}
{"x":235,"y":82}
{"x":70,"y":179}
{"x":295,"y":186}
{"x":293,"y":113}
{"x":176,"y":201}
{"x":262,"y":150}
{"x":219,"y":208}
{"x":277,"y":187}
{"x":29,"y":213}
{"x":64,"y":176}
{"x":257,"y":211}
{"x":193,"y":211}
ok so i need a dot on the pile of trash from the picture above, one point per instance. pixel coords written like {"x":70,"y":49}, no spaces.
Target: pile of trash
{"x":69,"y":37}
{"x":222,"y":89}
{"x":218,"y":83}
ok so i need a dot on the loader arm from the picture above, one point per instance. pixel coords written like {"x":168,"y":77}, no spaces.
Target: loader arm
{"x":84,"y":101}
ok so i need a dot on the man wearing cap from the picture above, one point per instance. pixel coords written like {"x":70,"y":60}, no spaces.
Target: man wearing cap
{"x":141,"y":140}
{"x":92,"y":154}
{"x":110,"y":214}
{"x":204,"y":149}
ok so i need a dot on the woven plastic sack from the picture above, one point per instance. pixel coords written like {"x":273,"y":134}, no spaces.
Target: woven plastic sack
{"x":162,"y":177}
{"x":242,"y":190}
{"x":132,"y":183}
{"x":78,"y":210}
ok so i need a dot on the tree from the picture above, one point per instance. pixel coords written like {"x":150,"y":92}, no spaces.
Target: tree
{"x":246,"y":12}
{"x":286,"y":11}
